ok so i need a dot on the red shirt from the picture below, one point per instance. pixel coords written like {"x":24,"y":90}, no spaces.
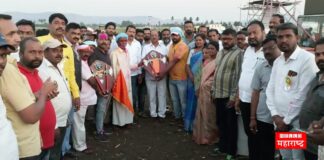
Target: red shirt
{"x":48,"y":120}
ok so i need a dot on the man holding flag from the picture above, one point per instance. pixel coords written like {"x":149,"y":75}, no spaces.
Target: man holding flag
{"x":123,"y":111}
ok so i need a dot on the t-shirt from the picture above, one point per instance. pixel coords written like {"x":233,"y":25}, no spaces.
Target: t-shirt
{"x":17,"y":96}
{"x":48,"y":120}
{"x":88,"y":94}
{"x":179,"y":51}
{"x":8,"y":140}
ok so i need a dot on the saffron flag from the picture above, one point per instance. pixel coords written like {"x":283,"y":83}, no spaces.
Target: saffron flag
{"x":156,"y":65}
{"x":120,"y":92}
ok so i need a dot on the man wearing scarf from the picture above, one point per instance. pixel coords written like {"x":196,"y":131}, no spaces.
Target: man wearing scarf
{"x":123,"y":111}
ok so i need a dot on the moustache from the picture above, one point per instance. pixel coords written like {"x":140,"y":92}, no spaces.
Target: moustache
{"x":76,"y":38}
{"x":60,"y":29}
{"x":58,"y":57}
{"x":320,"y":62}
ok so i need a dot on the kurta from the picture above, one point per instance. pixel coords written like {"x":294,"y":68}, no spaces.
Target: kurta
{"x":120,"y":61}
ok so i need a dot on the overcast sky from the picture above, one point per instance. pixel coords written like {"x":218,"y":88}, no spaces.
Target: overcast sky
{"x":218,"y":10}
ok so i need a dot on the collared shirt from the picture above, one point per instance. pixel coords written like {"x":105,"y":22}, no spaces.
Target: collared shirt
{"x":178,"y":51}
{"x":150,"y":47}
{"x":260,"y":81}
{"x":312,"y":108}
{"x":113,"y":45}
{"x":134,"y":50}
{"x":99,"y":55}
{"x":167,"y":46}
{"x":63,"y":101}
{"x":187,"y":42}
{"x":251,"y":60}
{"x":15,"y":55}
{"x":69,"y":67}
{"x":48,"y":120}
{"x":228,"y":71}
{"x":285,"y":101}
{"x":77,"y":63}
{"x":8,"y":138}
{"x":17,"y":96}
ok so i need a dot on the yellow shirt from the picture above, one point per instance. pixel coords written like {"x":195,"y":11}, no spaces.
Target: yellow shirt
{"x":179,"y":51}
{"x":17,"y":95}
{"x":68,"y":66}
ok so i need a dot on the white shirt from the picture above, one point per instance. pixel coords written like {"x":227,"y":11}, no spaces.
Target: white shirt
{"x":15,"y":55}
{"x":166,"y":46}
{"x":220,"y":44}
{"x":88,"y":94}
{"x":63,"y":102}
{"x":159,"y":48}
{"x":283,"y":101}
{"x":8,"y":139}
{"x":113,"y":45}
{"x":134,"y":50}
{"x":148,"y":48}
{"x":250,"y":62}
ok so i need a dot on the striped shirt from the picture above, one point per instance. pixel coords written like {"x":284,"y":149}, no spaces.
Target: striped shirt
{"x":228,"y":63}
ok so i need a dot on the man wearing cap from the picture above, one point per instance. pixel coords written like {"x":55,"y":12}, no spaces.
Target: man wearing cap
{"x":23,"y":109}
{"x":88,"y":97}
{"x":31,"y":56}
{"x":101,"y":54}
{"x":120,"y":60}
{"x":177,"y":56}
{"x":53,"y":68}
{"x":8,"y":138}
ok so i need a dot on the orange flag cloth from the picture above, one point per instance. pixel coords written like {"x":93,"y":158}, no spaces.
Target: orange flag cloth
{"x":156,"y":65}
{"x":120,"y":92}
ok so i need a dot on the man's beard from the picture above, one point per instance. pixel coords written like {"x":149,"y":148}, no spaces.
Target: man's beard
{"x":320,"y":65}
{"x":147,"y":38}
{"x":254,"y":43}
{"x":34,"y":64}
{"x":166,"y":41}
{"x":189,"y":32}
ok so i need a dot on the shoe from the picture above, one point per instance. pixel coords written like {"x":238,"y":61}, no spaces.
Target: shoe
{"x":229,"y":157}
{"x":216,"y":153}
{"x":107,"y":133}
{"x":87,"y":151}
{"x":70,"y":154}
{"x":101,"y":137}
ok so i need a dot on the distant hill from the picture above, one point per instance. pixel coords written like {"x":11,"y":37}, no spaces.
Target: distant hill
{"x":38,"y":17}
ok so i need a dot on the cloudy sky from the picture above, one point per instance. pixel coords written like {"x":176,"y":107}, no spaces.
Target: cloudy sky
{"x":218,"y":10}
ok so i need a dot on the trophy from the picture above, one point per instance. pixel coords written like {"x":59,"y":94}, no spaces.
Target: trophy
{"x":103,"y":74}
{"x":155,"y":63}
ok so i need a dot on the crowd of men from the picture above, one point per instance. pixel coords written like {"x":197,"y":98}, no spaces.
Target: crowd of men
{"x":48,"y":86}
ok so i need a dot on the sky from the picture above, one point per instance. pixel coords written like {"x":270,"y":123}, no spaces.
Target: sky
{"x":217,"y":10}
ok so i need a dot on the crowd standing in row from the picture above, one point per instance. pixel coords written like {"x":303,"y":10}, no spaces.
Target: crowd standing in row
{"x":48,"y":85}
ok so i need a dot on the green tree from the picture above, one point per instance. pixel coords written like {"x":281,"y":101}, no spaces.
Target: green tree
{"x":197,"y":19}
{"x":172,"y":18}
{"x":184,"y":18}
{"x":126,"y":23}
{"x":211,"y":22}
{"x":237,"y":23}
{"x":206,"y":22}
{"x":190,"y":18}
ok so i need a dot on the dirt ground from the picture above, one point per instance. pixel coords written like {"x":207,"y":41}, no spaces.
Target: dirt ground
{"x":148,"y":139}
